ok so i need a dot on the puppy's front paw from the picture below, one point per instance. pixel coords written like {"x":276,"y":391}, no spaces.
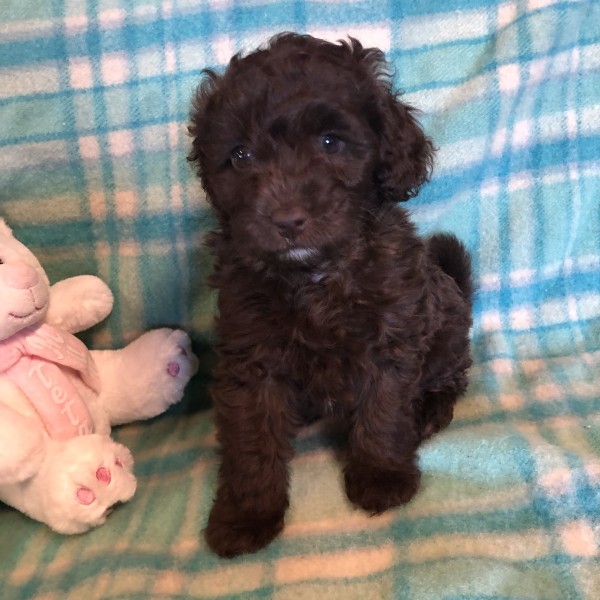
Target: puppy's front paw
{"x":228,"y":534}
{"x":376,"y":490}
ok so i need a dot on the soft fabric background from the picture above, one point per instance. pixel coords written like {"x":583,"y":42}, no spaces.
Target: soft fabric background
{"x":94,"y":99}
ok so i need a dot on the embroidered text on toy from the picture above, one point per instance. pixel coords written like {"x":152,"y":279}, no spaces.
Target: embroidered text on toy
{"x":63,"y":396}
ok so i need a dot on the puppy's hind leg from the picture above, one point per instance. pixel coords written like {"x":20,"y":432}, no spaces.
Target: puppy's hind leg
{"x":436,"y":413}
{"x":437,"y":408}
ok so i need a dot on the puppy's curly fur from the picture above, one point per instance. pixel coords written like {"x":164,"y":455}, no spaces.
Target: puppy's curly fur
{"x":329,"y":303}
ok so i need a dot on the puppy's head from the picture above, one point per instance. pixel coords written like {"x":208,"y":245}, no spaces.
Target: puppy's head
{"x":296,"y":142}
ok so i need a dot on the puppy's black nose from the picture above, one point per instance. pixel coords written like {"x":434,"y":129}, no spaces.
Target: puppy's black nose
{"x":290,"y":222}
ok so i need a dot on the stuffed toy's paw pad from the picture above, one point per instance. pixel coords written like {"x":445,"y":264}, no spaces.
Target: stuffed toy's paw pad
{"x":85,"y":495}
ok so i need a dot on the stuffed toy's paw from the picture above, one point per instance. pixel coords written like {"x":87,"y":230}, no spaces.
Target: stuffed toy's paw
{"x":87,"y":477}
{"x":79,"y":303}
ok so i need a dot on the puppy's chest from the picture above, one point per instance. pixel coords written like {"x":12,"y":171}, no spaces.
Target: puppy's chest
{"x":328,"y":333}
{"x":325,"y":316}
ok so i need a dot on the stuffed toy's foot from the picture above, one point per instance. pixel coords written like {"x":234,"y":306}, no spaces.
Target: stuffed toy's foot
{"x":166,"y":369}
{"x":181,"y":363}
{"x":143,"y":379}
{"x":79,"y":484}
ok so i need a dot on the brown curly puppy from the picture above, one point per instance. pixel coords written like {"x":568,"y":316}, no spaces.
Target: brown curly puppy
{"x":329,"y":303}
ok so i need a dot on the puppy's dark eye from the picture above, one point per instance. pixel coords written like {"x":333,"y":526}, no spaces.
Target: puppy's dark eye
{"x":241,"y":157}
{"x":331,"y":143}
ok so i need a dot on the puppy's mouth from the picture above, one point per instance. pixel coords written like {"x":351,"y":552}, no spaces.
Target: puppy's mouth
{"x":300,"y":254}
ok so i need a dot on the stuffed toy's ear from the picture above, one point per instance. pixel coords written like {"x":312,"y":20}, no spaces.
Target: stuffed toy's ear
{"x":4,"y":228}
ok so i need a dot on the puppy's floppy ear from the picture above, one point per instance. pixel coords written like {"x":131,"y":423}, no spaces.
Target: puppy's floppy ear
{"x":405,"y":152}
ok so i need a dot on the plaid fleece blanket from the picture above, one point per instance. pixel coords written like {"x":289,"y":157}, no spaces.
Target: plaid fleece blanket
{"x":94,"y":99}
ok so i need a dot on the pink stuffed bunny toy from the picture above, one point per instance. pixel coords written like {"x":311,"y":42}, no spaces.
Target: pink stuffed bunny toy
{"x":58,"y":400}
